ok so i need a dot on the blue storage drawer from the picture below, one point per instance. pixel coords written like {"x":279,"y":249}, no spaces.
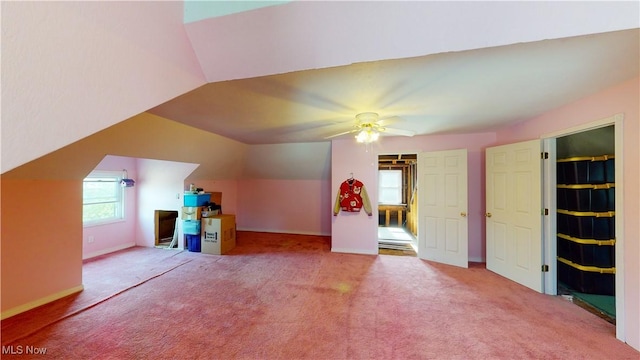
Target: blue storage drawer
{"x":191,"y":227}
{"x":196,"y":199}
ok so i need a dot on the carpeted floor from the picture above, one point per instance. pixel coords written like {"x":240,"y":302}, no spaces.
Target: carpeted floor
{"x":280,"y":296}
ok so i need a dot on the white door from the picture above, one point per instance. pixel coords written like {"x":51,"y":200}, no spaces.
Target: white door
{"x":514,"y":212}
{"x":442,"y":207}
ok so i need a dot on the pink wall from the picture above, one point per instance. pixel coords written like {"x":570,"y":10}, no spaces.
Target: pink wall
{"x":158,"y":184}
{"x":119,"y":235}
{"x":143,"y":58}
{"x":276,"y":39}
{"x":32,"y":246}
{"x":623,"y":98}
{"x":288,"y":206}
{"x":354,"y":232}
{"x":357,"y":232}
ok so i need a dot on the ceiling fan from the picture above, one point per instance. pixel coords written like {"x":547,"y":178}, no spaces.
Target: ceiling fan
{"x":368,"y":128}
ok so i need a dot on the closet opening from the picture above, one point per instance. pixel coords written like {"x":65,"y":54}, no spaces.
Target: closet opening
{"x":397,"y":204}
{"x":166,"y":228}
{"x":585,"y":219}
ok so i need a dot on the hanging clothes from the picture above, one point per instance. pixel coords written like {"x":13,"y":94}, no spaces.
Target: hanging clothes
{"x":352,"y":196}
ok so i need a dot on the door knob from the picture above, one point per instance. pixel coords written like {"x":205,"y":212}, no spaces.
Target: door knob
{"x":488,"y":215}
{"x":463,"y":214}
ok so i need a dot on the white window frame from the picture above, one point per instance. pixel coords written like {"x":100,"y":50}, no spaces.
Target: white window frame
{"x":387,"y":178}
{"x":111,"y":176}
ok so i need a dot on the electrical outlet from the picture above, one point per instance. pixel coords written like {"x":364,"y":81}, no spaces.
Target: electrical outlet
{"x":90,"y":239}
{"x":178,"y":196}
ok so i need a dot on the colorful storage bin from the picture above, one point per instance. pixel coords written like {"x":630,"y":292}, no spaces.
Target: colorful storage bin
{"x":191,"y":227}
{"x":196,"y":199}
{"x":193,"y":243}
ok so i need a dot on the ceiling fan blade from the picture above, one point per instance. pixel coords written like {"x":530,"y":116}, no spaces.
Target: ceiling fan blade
{"x":388,"y":120}
{"x":340,"y":134}
{"x":392,"y":131}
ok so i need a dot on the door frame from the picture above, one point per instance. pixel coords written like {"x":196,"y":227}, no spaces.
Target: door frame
{"x":414,"y":241}
{"x":549,"y":202}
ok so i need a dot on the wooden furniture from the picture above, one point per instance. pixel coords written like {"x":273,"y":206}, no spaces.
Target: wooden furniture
{"x":388,"y":208}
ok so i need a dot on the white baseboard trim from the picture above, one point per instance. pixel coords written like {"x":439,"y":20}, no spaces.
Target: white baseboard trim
{"x":354,"y":251}
{"x":108,"y":250}
{"x":45,"y":300}
{"x":477,"y":259}
{"x":293,"y":232}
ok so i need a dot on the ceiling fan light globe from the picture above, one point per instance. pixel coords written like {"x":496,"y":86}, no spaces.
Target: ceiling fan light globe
{"x":362,"y":136}
{"x":367,"y":136}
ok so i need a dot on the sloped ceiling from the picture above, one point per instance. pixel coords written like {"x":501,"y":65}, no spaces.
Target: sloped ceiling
{"x":457,"y":92}
{"x":283,"y":78}
{"x":143,"y":136}
{"x":459,"y":86}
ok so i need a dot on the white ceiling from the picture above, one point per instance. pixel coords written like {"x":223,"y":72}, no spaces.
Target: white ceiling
{"x":454,"y":92}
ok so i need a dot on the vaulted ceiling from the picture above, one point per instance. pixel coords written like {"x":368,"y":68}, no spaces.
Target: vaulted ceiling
{"x":449,"y":92}
{"x":297,"y":72}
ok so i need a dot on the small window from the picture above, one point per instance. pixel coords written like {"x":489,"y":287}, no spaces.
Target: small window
{"x":390,"y":186}
{"x":102,"y":198}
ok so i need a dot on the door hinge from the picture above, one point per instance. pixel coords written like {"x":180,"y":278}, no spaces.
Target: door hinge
{"x":545,"y":268}
{"x":544,"y":155}
{"x":545,"y":211}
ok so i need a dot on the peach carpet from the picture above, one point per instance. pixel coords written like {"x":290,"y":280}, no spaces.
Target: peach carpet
{"x":288,"y":297}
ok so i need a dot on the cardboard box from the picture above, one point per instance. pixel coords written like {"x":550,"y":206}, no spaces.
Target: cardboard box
{"x":191,"y":212}
{"x":216,"y":198}
{"x":218,"y":234}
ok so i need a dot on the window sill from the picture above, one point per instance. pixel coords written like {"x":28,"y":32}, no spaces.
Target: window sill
{"x":102,"y":223}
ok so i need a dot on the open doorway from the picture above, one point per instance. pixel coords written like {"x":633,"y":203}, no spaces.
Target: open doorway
{"x":165,"y":228}
{"x":397,"y":204}
{"x":586,"y":238}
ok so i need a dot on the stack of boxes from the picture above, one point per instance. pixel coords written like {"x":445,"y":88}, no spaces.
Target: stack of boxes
{"x":205,"y":229}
